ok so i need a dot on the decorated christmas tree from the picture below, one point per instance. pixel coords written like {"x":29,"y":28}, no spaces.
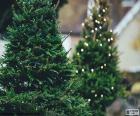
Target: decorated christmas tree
{"x":96,"y":58}
{"x":35,"y":70}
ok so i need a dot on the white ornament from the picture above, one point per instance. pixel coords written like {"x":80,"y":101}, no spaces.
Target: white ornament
{"x":100,"y":35}
{"x":82,"y":50}
{"x":105,"y":65}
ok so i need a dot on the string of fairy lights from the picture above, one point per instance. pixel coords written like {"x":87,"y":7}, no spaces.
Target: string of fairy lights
{"x":100,"y":44}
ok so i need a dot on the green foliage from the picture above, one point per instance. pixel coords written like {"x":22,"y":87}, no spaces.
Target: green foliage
{"x":35,"y":71}
{"x":96,"y":58}
{"x":43,"y":103}
{"x":35,"y":57}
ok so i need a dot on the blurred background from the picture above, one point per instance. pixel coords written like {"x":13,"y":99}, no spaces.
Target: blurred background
{"x":125,"y":15}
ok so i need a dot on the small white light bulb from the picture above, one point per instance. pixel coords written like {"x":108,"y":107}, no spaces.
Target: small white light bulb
{"x":83,"y":70}
{"x":83,"y":24}
{"x":86,"y":44}
{"x":109,"y":54}
{"x":78,"y":54}
{"x":103,"y":10}
{"x":82,"y":50}
{"x":95,"y":95}
{"x":92,"y":70}
{"x":101,"y":44}
{"x":102,"y":67}
{"x":112,"y":88}
{"x":89,"y":100}
{"x":105,"y":19}
{"x":102,"y":95}
{"x":92,"y":31}
{"x":96,"y":29}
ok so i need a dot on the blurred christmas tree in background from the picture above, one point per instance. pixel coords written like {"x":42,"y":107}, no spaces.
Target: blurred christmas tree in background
{"x":35,"y":71}
{"x":96,"y":58}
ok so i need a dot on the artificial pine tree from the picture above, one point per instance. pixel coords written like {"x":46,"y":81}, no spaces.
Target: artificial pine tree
{"x":35,"y":70}
{"x":96,"y":58}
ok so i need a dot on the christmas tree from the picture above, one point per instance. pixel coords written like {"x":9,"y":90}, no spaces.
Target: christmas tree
{"x":96,"y":58}
{"x":6,"y":11}
{"x":35,"y":70}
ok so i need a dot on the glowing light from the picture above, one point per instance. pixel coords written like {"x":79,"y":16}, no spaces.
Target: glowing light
{"x":103,"y":10}
{"x":78,"y":54}
{"x":91,"y":17}
{"x":83,"y":70}
{"x":110,"y":47}
{"x":76,"y":71}
{"x":105,"y":19}
{"x":92,"y":31}
{"x":96,"y":29}
{"x":102,"y":95}
{"x":82,"y":50}
{"x":92,"y":70}
{"x":109,"y":54}
{"x":86,"y":36}
{"x":86,"y":44}
{"x":102,"y":67}
{"x":100,"y":27}
{"x":89,"y":100}
{"x":96,"y":21}
{"x":112,"y":88}
{"x":101,"y":44}
{"x":111,"y":31}
{"x":108,"y":40}
{"x":95,"y":95}
{"x":83,"y":24}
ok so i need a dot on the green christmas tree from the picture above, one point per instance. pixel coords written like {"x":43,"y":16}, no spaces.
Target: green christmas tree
{"x":35,"y":71}
{"x":96,"y":58}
